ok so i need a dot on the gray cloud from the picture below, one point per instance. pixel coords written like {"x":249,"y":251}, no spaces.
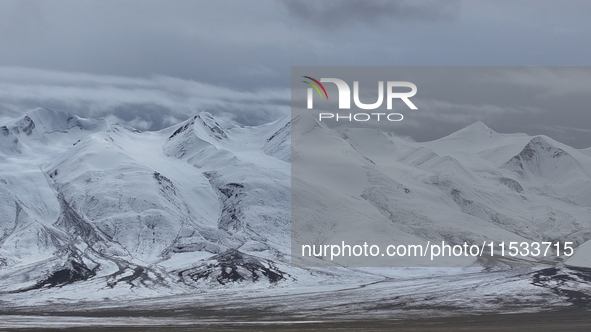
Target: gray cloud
{"x":178,"y":57}
{"x":552,"y":101}
{"x":338,"y":13}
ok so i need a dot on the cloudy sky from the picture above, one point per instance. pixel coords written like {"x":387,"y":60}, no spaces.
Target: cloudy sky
{"x":153,"y":63}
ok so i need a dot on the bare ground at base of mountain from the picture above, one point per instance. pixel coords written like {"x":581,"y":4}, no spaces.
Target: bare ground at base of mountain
{"x":567,"y":320}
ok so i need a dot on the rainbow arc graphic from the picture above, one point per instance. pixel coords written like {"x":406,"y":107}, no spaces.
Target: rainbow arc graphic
{"x":317,"y":86}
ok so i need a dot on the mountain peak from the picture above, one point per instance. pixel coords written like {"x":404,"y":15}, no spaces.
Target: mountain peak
{"x":540,"y":144}
{"x":204,"y":115}
{"x":52,"y":120}
{"x":539,"y":141}
{"x":39,"y":122}
{"x":538,"y":151}
{"x":215,"y":129}
{"x":202,"y":124}
{"x":477,"y":127}
{"x":477,"y":131}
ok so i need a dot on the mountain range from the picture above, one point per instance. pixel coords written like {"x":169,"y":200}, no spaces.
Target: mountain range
{"x":99,"y":213}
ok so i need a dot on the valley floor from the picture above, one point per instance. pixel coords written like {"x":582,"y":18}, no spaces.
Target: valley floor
{"x":516,"y":300}
{"x":564,"y":320}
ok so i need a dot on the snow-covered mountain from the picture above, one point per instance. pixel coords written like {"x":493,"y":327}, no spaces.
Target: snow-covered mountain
{"x":472,"y":186}
{"x":83,"y":199}
{"x":205,"y":205}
